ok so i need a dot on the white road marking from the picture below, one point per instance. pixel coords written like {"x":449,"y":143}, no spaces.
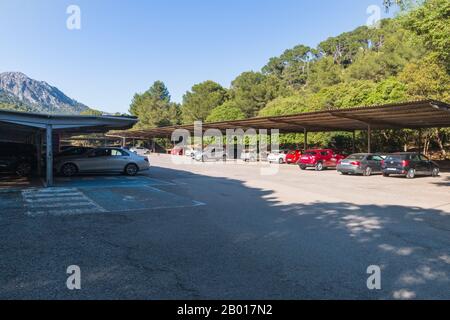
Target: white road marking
{"x":58,"y":202}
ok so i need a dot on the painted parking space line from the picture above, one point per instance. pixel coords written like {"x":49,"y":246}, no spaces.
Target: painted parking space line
{"x":139,"y":198}
{"x":110,"y":181}
{"x":91,"y":199}
{"x":58,"y":202}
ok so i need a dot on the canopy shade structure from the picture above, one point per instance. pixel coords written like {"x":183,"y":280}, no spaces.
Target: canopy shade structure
{"x":408,"y":115}
{"x":66,"y":123}
{"x":32,"y":127}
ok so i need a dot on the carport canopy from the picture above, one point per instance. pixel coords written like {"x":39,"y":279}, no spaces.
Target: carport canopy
{"x":407,"y":115}
{"x":32,"y":127}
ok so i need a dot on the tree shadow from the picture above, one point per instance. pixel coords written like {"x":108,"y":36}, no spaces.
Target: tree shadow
{"x":445,"y":183}
{"x":244,"y":243}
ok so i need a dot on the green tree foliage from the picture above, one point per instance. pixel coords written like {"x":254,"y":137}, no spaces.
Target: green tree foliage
{"x":297,"y":103}
{"x":15,"y":107}
{"x":154,"y":108}
{"x":228,"y":111}
{"x":91,"y":112}
{"x":426,"y":79}
{"x":292,"y":66}
{"x":431,"y":23}
{"x":391,"y":48}
{"x":251,"y":91}
{"x":346,"y":46}
{"x":201,"y":100}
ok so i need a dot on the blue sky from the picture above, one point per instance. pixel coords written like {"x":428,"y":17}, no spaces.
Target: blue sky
{"x":124,"y":46}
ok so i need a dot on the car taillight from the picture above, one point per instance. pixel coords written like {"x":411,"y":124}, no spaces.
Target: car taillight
{"x":339,"y":161}
{"x":355,"y":163}
{"x":382,"y":163}
{"x":405,"y":163}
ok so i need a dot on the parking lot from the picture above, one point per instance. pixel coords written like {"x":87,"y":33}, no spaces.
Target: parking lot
{"x":216,"y":231}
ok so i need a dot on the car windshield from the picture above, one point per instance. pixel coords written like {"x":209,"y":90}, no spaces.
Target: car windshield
{"x":356,"y":157}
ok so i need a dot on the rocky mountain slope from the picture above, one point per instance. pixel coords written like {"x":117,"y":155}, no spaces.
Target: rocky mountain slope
{"x":17,"y":89}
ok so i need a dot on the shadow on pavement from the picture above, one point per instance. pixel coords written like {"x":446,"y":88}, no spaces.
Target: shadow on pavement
{"x":243,"y":244}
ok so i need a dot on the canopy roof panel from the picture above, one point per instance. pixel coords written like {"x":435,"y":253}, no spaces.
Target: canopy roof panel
{"x":22,"y":121}
{"x":408,"y":115}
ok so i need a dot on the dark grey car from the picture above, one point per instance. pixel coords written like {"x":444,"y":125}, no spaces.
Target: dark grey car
{"x":361,"y":163}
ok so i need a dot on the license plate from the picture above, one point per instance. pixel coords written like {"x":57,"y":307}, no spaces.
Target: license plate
{"x":392,"y":169}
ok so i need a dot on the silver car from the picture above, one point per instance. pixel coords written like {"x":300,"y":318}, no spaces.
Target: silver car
{"x":141,"y":151}
{"x":103,"y":160}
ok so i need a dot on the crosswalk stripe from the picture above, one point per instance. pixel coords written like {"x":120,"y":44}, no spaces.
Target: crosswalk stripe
{"x":77,"y":198}
{"x":57,"y":205}
{"x":62,"y":212}
{"x":58,"y":202}
{"x":50,"y":195}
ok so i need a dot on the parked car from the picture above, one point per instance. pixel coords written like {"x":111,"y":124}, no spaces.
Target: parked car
{"x":277,"y":157}
{"x":140,"y":151}
{"x":409,"y":164}
{"x":73,"y":151}
{"x":103,"y":160}
{"x":293,"y":157}
{"x":249,"y":155}
{"x":210,"y":156}
{"x":320,"y":159}
{"x":17,"y":158}
{"x":189,"y":153}
{"x":361,"y":163}
{"x":177,"y":151}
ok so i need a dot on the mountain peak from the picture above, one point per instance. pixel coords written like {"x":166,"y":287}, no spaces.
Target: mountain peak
{"x":39,"y":96}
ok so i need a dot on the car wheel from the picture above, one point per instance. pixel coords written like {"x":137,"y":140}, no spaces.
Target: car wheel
{"x":280,"y":161}
{"x":386,"y":175}
{"x":302,"y":167}
{"x":23,"y":169}
{"x":343,"y":173}
{"x":69,"y":170}
{"x":319,"y":166}
{"x":368,"y":172}
{"x":131,"y":169}
{"x":411,"y":174}
{"x":435,"y":173}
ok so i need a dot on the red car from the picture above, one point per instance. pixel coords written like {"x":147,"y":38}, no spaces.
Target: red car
{"x":320,"y":159}
{"x":293,"y":157}
{"x":177,"y":152}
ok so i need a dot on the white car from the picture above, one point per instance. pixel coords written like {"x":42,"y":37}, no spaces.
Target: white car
{"x":141,"y":151}
{"x":210,"y":156}
{"x":249,"y":156}
{"x":189,"y":153}
{"x":277,"y":157}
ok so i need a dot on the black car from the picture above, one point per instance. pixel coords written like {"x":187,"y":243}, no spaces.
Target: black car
{"x":17,"y":158}
{"x":409,"y":164}
{"x":361,"y":163}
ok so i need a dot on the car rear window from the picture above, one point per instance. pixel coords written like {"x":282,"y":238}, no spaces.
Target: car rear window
{"x":396,"y":157}
{"x":356,"y":157}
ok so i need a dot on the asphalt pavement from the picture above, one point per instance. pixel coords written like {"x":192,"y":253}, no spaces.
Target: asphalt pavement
{"x":227,"y":231}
